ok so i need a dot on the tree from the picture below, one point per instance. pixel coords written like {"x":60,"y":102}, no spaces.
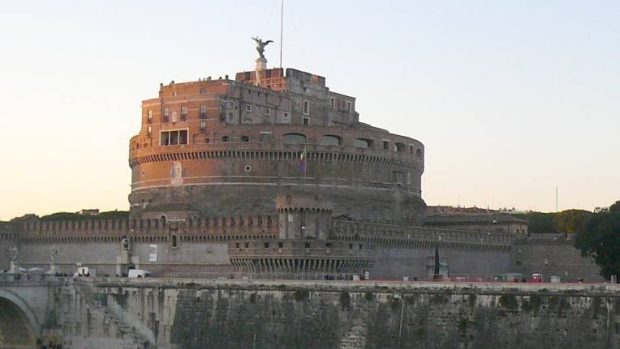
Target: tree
{"x":571,"y":221}
{"x":600,"y":238}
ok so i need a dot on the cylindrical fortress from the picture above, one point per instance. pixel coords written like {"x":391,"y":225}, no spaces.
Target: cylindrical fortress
{"x":227,"y":147}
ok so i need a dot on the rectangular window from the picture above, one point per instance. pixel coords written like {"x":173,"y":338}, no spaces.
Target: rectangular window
{"x":332,"y":102}
{"x":306,"y":121}
{"x":175,"y":117}
{"x":203,"y":125}
{"x":166,"y":114}
{"x":203,"y":111}
{"x":248,"y":108}
{"x":149,"y":118}
{"x":267,"y":111}
{"x":265,"y":136}
{"x":349,"y":106}
{"x":174,"y":137}
{"x":306,"y":108}
{"x":183,"y":110}
{"x":386,"y":145}
{"x":149,"y":130}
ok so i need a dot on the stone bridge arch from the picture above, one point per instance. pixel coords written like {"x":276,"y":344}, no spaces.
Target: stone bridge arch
{"x":19,"y":327}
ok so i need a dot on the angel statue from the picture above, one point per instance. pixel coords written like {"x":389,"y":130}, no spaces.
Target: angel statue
{"x":14,"y":253}
{"x":260,"y":46}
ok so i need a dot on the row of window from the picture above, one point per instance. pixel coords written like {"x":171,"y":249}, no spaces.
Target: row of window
{"x":173,"y":116}
{"x":179,"y":137}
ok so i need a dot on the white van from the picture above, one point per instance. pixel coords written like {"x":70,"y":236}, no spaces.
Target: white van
{"x":138,"y":273}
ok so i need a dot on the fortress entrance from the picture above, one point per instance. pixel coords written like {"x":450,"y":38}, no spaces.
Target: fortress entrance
{"x":16,"y":329}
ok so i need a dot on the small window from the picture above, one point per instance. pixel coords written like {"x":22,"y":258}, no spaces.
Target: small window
{"x":245,"y":139}
{"x":386,"y":145}
{"x":150,"y":116}
{"x":419,"y":153}
{"x":184,"y":111}
{"x":362,"y":143}
{"x":350,"y":246}
{"x":329,"y":140}
{"x":266,"y":245}
{"x":247,"y":245}
{"x":294,"y":138}
{"x":225,"y":139}
{"x":306,"y":121}
{"x":166,"y":114}
{"x":332,"y":102}
{"x":248,"y":107}
{"x":267,"y":111}
{"x":237,"y":245}
{"x":306,"y":108}
{"x":361,"y":246}
{"x":149,"y":131}
{"x":203,"y":110}
{"x":174,"y":241}
{"x":203,"y":125}
{"x":349,"y":106}
{"x":280,"y":245}
{"x":399,"y":147}
{"x":265,"y":136}
{"x":307,"y":245}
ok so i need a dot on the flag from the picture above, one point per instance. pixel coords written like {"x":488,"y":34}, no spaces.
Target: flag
{"x":302,"y":161}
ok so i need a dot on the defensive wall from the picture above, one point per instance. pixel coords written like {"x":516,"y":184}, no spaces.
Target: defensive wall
{"x":184,"y":313}
{"x":203,"y":245}
{"x":552,"y":254}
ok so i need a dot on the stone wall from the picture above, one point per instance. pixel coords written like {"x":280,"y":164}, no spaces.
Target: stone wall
{"x":187,"y":259}
{"x":358,"y":315}
{"x":553,"y":256}
{"x":483,"y":262}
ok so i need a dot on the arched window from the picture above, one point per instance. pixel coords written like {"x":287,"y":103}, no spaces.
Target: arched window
{"x":362,"y":143}
{"x":294,"y":138}
{"x":329,"y":140}
{"x":418,"y":153}
{"x":399,"y":147}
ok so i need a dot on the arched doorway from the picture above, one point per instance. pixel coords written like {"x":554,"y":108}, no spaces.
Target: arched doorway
{"x":17,"y":324}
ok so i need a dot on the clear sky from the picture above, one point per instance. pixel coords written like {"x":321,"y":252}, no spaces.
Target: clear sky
{"x":510,"y":98}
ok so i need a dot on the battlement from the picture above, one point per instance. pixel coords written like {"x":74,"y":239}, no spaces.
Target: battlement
{"x":416,"y":236}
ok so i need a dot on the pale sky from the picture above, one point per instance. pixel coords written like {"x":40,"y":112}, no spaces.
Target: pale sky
{"x":510,"y":98}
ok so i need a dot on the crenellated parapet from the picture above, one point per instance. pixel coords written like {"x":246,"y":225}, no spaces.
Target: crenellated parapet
{"x":396,"y":235}
{"x":148,"y":230}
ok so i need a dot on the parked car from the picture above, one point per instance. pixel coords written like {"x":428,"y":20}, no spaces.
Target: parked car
{"x":536,"y":278}
{"x":138,"y":274}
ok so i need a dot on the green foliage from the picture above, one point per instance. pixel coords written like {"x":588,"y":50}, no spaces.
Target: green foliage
{"x":571,"y":221}
{"x":540,"y":222}
{"x":345,"y":300}
{"x":301,"y":295}
{"x":508,"y":301}
{"x":600,"y":239}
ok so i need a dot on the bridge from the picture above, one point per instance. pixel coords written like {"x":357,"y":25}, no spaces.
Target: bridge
{"x":122,"y":313}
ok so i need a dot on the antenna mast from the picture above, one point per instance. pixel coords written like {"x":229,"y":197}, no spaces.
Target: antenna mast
{"x":281,"y":28}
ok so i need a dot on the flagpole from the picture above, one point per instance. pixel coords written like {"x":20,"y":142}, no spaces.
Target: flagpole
{"x":281,"y":28}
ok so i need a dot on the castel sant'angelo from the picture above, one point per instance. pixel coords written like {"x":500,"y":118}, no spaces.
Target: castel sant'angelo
{"x":270,"y":173}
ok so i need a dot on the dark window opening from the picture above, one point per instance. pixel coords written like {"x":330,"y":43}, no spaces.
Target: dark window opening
{"x":245,"y":139}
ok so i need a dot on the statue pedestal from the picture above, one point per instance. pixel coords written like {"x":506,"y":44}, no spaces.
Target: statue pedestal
{"x":261,"y":64}
{"x":53,"y":269}
{"x":13,"y":269}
